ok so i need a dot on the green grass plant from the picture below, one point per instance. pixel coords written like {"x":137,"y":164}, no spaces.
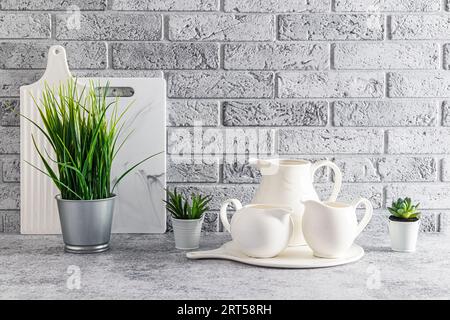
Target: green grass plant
{"x":83,"y":130}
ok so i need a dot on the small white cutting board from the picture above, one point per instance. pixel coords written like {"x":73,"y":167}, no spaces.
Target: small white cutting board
{"x":139,"y":208}
{"x":299,"y":257}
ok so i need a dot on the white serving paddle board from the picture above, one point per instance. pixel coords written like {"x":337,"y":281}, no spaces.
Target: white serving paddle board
{"x":298,"y":257}
{"x":38,"y":212}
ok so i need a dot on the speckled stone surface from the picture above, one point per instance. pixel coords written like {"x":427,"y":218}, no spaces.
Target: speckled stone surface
{"x":148,"y":267}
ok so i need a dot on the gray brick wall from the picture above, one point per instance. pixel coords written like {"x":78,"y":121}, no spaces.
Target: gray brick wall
{"x":364,"y":83}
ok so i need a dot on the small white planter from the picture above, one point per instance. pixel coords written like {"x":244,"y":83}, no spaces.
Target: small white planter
{"x":404,"y":235}
{"x":187,"y":233}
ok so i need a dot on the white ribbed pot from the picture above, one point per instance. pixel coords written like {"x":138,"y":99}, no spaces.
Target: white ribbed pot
{"x":403,"y":234}
{"x":187,"y":233}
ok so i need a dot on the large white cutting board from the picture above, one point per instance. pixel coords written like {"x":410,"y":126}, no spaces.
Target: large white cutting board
{"x":139,"y":208}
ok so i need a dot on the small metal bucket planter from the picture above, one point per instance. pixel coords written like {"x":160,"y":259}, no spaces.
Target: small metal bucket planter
{"x":187,"y":233}
{"x":86,"y":224}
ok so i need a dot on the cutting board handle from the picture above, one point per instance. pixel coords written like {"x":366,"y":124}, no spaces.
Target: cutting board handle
{"x":57,"y":68}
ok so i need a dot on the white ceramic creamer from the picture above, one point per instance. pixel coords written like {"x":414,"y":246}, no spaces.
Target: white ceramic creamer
{"x":259,"y":231}
{"x":331,"y":227}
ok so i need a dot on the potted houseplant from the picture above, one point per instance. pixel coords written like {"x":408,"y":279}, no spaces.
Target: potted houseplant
{"x":404,"y":225}
{"x":187,"y":217}
{"x":82,"y":129}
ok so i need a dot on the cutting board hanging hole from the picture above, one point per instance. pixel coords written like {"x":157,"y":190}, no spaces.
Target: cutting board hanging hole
{"x":115,"y":91}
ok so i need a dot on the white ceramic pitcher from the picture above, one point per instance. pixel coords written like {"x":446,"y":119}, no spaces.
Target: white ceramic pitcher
{"x":331,"y":227}
{"x":259,"y":231}
{"x":287,"y":182}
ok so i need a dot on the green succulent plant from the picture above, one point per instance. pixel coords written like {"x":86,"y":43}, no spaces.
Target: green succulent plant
{"x":182,"y":207}
{"x":404,"y":209}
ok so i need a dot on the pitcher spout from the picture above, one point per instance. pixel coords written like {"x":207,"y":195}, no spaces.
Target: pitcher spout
{"x":286,"y":218}
{"x":259,"y":163}
{"x":313,"y":204}
{"x":282,"y":213}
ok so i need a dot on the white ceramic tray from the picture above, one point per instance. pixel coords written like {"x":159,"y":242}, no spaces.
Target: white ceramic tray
{"x":300,"y":257}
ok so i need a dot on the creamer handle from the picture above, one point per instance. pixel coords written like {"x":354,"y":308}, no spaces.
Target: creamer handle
{"x":223,"y":212}
{"x":337,"y":176}
{"x":367,"y":216}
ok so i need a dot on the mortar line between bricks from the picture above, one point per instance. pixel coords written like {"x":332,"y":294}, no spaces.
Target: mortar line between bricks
{"x":262,"y":42}
{"x":325,"y":99}
{"x":276,"y":85}
{"x":266,"y":42}
{"x":109,"y":56}
{"x":164,"y":27}
{"x":317,"y":41}
{"x":440,"y":170}
{"x":440,"y":114}
{"x":225,"y":13}
{"x":378,"y":184}
{"x":177,"y":12}
{"x":330,"y":155}
{"x":330,"y":109}
{"x":313,"y":128}
{"x":386,"y":141}
{"x":370,"y":99}
{"x":220,"y":114}
{"x":53,"y":10}
{"x":197,"y":41}
{"x":386,"y":85}
{"x":52,"y":27}
{"x":339,"y":156}
{"x":331,"y":48}
{"x":275,"y":18}
{"x":442,"y":55}
{"x":221,"y":65}
{"x":291,"y":71}
{"x":375,"y":210}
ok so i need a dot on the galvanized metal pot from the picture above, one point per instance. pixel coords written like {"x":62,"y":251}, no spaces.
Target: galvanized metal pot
{"x":187,"y":233}
{"x":86,"y":224}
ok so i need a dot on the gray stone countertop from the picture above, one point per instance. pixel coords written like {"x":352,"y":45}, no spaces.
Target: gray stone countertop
{"x":148,"y":267}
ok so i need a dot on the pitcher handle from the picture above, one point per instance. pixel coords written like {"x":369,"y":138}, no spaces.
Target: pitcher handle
{"x":223,"y":212}
{"x":337,"y":176}
{"x":367,"y":215}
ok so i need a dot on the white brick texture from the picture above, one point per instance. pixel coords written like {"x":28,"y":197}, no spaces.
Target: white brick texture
{"x":364,"y":83}
{"x":330,"y":141}
{"x":419,"y":27}
{"x":386,"y":56}
{"x":387,"y":5}
{"x":330,"y":85}
{"x":385,"y":113}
